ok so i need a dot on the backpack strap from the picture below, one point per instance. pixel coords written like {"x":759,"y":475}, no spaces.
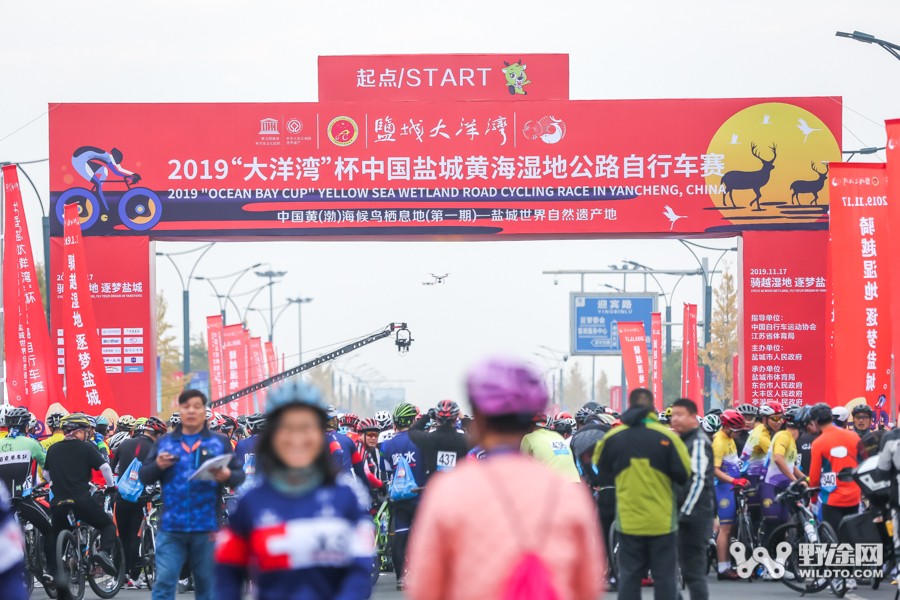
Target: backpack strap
{"x":508,"y":507}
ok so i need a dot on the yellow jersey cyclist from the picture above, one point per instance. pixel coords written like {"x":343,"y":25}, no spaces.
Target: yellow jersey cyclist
{"x":782,"y":469}
{"x":728,"y":476}
{"x":753,"y":457}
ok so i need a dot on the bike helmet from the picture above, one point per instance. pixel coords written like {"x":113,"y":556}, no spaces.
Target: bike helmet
{"x":714,"y":411}
{"x":228,"y":423}
{"x":561,"y":426}
{"x":295,"y":393}
{"x":447,"y":412}
{"x":664,"y":418}
{"x":367,"y":425}
{"x":841,"y":415}
{"x":101,"y":424}
{"x":116,"y":155}
{"x":349,"y":421}
{"x":584,"y":413}
{"x":384,"y":418}
{"x":541,"y":420}
{"x":53,"y":420}
{"x":138,"y":423}
{"x":820,"y":413}
{"x":793,"y":417}
{"x":732,"y":419}
{"x":256,"y":423}
{"x":116,"y":440}
{"x":209,"y":414}
{"x":175,"y":420}
{"x":862,"y":409}
{"x":126,"y":423}
{"x":502,"y":386}
{"x":606,"y":419}
{"x":711,"y":424}
{"x":404,"y":414}
{"x":17,"y":417}
{"x":155,"y":425}
{"x":770,"y":407}
{"x":75,"y":421}
{"x":747,"y":410}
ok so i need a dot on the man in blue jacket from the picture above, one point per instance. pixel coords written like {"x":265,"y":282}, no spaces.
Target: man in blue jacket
{"x":190,"y":511}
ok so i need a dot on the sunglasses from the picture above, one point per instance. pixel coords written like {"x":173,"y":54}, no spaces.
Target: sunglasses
{"x":777,"y":418}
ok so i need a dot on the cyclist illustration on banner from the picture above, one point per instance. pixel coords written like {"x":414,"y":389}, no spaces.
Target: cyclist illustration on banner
{"x":139,"y":207}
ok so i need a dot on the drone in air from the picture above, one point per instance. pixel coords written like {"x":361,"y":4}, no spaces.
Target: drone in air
{"x":437,"y":279}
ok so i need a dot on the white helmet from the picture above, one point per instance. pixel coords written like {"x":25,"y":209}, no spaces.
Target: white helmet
{"x":384,"y":419}
{"x":3,"y":409}
{"x":840,"y":414}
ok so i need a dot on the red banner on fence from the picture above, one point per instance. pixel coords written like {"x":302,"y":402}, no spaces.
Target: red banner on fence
{"x":235,"y":352}
{"x":784,"y":305}
{"x":633,"y":341}
{"x":271,"y":359}
{"x":87,"y":387}
{"x":657,"y":360}
{"x":214,"y":331}
{"x":476,"y":169}
{"x":444,"y":77}
{"x":31,"y":377}
{"x":861,"y":280}
{"x":691,"y":387}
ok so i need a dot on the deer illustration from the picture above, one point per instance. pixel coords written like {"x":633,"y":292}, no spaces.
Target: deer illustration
{"x":805,"y":186}
{"x":749,"y":180}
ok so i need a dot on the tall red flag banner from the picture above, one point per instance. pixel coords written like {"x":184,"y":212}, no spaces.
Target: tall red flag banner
{"x":214,"y":326}
{"x":860,"y":268}
{"x":87,"y":387}
{"x":690,"y":379}
{"x":893,"y":186}
{"x":247,"y":401}
{"x":31,"y":377}
{"x":271,"y":359}
{"x":633,"y":341}
{"x":257,"y":370}
{"x":736,"y":380}
{"x":657,"y":360}
{"x":784,"y":298}
{"x":235,"y":363}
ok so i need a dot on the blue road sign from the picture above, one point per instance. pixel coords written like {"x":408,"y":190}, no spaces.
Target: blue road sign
{"x":595,"y":320}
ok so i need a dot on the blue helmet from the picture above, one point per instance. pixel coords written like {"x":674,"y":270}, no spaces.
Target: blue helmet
{"x":295,"y":393}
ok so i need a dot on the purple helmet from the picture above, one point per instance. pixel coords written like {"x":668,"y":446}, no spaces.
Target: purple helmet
{"x":502,"y":386}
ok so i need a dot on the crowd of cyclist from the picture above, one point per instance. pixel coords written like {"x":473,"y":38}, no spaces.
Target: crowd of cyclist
{"x":394,"y":456}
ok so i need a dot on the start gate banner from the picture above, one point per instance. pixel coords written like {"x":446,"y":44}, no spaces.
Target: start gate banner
{"x":860,"y":256}
{"x":444,"y":77}
{"x":448,"y":170}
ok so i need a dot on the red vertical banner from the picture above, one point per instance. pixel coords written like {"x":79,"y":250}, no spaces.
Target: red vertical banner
{"x":657,"y":359}
{"x":736,"y":380}
{"x":214,"y":327}
{"x":246,"y":401}
{"x":31,"y":376}
{"x":271,"y":359}
{"x":633,"y":341}
{"x":860,"y":251}
{"x":690,"y":365}
{"x":893,"y":189}
{"x":87,"y":387}
{"x":257,"y":369}
{"x":615,"y":398}
{"x":235,"y":363}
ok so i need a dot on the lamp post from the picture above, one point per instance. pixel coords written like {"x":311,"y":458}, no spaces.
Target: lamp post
{"x":666,"y":297}
{"x":223,"y":299}
{"x":299,"y":302}
{"x":186,"y":296}
{"x":271,"y":276}
{"x":868,"y":38}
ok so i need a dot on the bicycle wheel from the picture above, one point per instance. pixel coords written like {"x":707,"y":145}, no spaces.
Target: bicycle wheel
{"x":89,"y":207}
{"x":827,"y":536}
{"x":104,"y":584}
{"x":793,"y":535}
{"x":613,"y":558}
{"x":147,"y":553}
{"x":140,"y":209}
{"x":68,"y":562}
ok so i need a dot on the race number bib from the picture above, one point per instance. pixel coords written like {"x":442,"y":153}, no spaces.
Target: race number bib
{"x":829,"y":481}
{"x":446,"y":461}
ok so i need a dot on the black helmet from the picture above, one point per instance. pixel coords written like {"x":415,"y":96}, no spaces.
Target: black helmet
{"x":793,"y":417}
{"x":53,"y":420}
{"x":584,"y":413}
{"x":256,"y":422}
{"x":820,"y":413}
{"x":862,"y":409}
{"x":116,"y":155}
{"x":17,"y":417}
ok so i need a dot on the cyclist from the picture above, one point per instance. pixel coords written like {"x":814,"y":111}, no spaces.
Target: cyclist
{"x":869,"y":438}
{"x":174,"y":421}
{"x":753,"y":457}
{"x":834,"y":450}
{"x":368,"y":447}
{"x":345,"y":452}
{"x":711,"y":424}
{"x":400,"y":447}
{"x":245,"y":451}
{"x":750,"y":413}
{"x":550,"y":448}
{"x":130,"y":514}
{"x":305,"y":530}
{"x":17,"y":440}
{"x":444,"y":447}
{"x":347,"y":425}
{"x":384,"y":419}
{"x":781,"y":470}
{"x":804,"y":443}
{"x":69,"y":466}
{"x":94,"y":165}
{"x":56,"y":434}
{"x":728,"y":476}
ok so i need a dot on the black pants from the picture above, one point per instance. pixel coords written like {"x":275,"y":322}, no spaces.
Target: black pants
{"x":833,"y":515}
{"x":34,"y":515}
{"x":693,"y":547}
{"x":658,"y":553}
{"x":88,"y":511}
{"x":129,"y":516}
{"x":402,"y":517}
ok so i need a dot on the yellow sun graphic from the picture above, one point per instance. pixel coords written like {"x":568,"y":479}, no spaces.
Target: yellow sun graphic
{"x":779,"y":152}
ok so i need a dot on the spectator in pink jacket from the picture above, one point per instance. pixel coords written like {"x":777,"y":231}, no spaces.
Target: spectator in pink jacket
{"x":477,"y":522}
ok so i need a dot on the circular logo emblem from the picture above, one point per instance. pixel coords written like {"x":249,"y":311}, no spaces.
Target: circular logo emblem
{"x":342,"y":131}
{"x":295,"y":126}
{"x":724,"y":503}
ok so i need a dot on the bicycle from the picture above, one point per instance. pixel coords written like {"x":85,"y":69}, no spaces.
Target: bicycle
{"x":139,"y":207}
{"x":744,"y":532}
{"x":35,"y":561}
{"x":75,"y":551}
{"x":803,"y":528}
{"x":147,"y":537}
{"x":384,"y":561}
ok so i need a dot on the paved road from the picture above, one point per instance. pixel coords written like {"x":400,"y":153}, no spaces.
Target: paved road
{"x":386,"y":590}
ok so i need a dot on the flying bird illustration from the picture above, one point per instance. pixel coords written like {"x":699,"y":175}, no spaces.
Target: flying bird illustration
{"x":766,"y":120}
{"x":672,"y":217}
{"x":806,"y":129}
{"x":734,"y":139}
{"x":439,"y":278}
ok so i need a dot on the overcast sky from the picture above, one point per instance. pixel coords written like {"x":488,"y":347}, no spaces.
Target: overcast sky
{"x":496,"y":298}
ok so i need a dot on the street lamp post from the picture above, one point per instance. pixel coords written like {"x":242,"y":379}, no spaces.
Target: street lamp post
{"x":271,"y":276}
{"x":223,"y":299}
{"x":299,"y":302}
{"x":186,"y":296}
{"x":868,"y":38}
